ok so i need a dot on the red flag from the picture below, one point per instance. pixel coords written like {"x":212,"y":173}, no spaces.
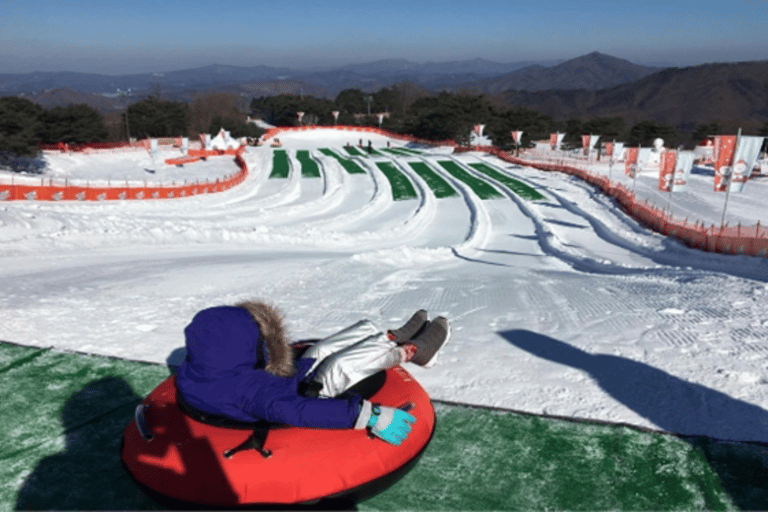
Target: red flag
{"x":585,"y":143}
{"x":630,"y":162}
{"x":667,"y":170}
{"x":722,"y":154}
{"x":609,"y":149}
{"x":553,"y":140}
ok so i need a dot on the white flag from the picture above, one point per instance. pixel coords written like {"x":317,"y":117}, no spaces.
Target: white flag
{"x":745,"y":158}
{"x":618,"y":152}
{"x":682,"y":171}
{"x":642,"y":157}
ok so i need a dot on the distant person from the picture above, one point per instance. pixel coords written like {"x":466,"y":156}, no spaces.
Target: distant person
{"x":240,"y":364}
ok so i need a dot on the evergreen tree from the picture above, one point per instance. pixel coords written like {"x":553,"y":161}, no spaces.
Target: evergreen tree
{"x":702,"y":131}
{"x":20,"y":124}
{"x":73,"y":123}
{"x":236,"y":127}
{"x":153,"y":117}
{"x":645,"y":132}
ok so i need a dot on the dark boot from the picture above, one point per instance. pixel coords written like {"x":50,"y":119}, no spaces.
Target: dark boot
{"x":430,"y":341}
{"x":410,"y":329}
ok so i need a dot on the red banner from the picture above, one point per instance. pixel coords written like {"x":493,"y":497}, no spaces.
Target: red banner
{"x":722,"y":154}
{"x":667,"y":170}
{"x":630,"y":162}
{"x":609,"y":149}
{"x":585,"y":143}
{"x":553,"y":140}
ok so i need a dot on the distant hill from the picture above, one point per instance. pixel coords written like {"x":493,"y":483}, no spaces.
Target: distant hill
{"x":682,"y":97}
{"x":326,"y":82}
{"x":591,"y":72}
{"x":63,"y":96}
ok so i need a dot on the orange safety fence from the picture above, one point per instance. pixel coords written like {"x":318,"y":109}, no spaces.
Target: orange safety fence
{"x":78,"y":147}
{"x":69,"y":192}
{"x":749,"y":240}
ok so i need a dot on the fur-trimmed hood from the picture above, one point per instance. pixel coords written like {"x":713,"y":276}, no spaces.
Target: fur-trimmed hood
{"x":279,"y":355}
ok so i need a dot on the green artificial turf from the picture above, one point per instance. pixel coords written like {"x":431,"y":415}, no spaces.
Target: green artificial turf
{"x":439,"y":186}
{"x":518,"y":187}
{"x":402,"y":188}
{"x":401,"y":151}
{"x":64,"y":414}
{"x":280,"y":167}
{"x":309,"y":168}
{"x":482,"y":188}
{"x":350,"y":166}
{"x":352,"y":150}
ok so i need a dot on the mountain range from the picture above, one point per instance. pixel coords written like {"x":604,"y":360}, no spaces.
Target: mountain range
{"x":593,"y":85}
{"x":590,"y":71}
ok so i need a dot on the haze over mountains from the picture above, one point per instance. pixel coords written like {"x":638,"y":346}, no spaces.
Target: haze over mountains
{"x":591,"y":71}
{"x":593,"y":85}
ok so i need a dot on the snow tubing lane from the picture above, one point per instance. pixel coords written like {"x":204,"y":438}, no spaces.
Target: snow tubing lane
{"x":183,"y":464}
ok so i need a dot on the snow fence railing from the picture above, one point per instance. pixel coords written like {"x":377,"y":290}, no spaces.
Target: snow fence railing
{"x":136,"y":145}
{"x":54,"y":191}
{"x":273,"y":132}
{"x":748,"y":240}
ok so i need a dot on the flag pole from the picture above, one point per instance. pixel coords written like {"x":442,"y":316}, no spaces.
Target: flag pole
{"x":671,"y":187}
{"x":728,"y":179}
{"x":610,"y":159}
{"x":637,"y":168}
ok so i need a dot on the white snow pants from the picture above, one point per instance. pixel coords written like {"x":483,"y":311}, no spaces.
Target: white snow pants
{"x":351,"y":355}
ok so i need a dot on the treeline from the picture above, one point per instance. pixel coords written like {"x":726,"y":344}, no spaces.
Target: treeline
{"x":408,"y":109}
{"x":413,"y":111}
{"x":24,"y":125}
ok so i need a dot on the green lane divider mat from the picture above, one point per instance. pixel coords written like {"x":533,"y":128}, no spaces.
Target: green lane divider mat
{"x":439,"y":186}
{"x":352,"y":150}
{"x":64,"y":414}
{"x":402,"y":151}
{"x":309,"y":168}
{"x":482,"y":188}
{"x":350,"y":166}
{"x":402,"y":188}
{"x":523,"y":190}
{"x":364,"y":151}
{"x":280,"y":167}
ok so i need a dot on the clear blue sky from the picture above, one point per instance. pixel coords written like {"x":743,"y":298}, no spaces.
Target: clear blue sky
{"x":108,"y":36}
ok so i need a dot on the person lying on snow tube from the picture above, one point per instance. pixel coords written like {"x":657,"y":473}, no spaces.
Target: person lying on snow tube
{"x":240,"y":364}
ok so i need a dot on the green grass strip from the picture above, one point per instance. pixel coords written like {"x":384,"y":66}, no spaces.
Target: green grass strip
{"x":518,"y":187}
{"x":309,"y":168}
{"x":280,"y":167}
{"x":439,"y":186}
{"x":352,"y":150}
{"x":402,"y":151}
{"x":402,"y":188}
{"x":483,"y":189}
{"x":350,"y":166}
{"x":64,"y":414}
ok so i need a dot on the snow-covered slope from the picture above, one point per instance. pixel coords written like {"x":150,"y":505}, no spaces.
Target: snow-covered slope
{"x":562,"y":305}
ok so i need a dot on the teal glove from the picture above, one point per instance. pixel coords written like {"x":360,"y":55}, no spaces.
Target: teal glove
{"x":390,"y":424}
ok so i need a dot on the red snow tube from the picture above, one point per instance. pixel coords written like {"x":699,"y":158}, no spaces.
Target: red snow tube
{"x":181,"y":461}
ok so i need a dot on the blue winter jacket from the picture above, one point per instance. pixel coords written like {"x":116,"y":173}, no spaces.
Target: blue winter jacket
{"x":220,"y":376}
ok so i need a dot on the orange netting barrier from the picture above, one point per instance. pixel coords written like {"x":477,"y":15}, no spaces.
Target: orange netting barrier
{"x":67,"y":192}
{"x":749,"y":240}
